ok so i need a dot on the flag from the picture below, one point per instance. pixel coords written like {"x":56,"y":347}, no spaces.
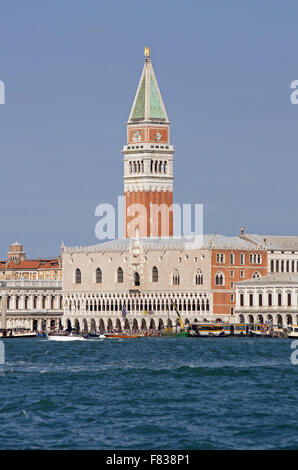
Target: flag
{"x":145,"y":312}
{"x":124,"y":312}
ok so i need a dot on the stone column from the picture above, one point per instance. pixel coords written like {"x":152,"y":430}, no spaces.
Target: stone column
{"x":3,"y":311}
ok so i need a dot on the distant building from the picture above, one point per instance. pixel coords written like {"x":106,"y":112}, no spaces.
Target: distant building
{"x":17,"y":266}
{"x":35,"y":305}
{"x":32,"y":290}
{"x":272,"y":298}
{"x":282,"y":251}
{"x":16,"y":252}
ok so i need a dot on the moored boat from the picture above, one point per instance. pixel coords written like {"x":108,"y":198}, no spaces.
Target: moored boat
{"x":16,"y":333}
{"x":240,"y":329}
{"x":121,"y":336}
{"x":292,"y":331}
{"x":260,"y":331}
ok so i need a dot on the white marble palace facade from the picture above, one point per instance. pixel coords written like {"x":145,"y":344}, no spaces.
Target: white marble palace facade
{"x":130,"y":284}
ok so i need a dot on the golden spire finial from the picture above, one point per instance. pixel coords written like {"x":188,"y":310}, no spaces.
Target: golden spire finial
{"x":147,"y":52}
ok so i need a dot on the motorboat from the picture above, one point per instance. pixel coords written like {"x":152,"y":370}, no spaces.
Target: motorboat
{"x":292,"y":331}
{"x":66,"y":337}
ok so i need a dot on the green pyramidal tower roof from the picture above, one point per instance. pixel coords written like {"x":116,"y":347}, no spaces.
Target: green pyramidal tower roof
{"x":148,"y":104}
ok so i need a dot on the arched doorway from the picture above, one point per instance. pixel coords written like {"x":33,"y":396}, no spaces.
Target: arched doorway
{"x":251,"y":319}
{"x":169,"y":323}
{"x":126,"y":324}
{"x":144,"y":324}
{"x":260,"y":319}
{"x":135,"y":324}
{"x":118,"y":324}
{"x":241,"y":319}
{"x":101,"y":325}
{"x":289,"y":319}
{"x":35,"y":323}
{"x":77,"y":324}
{"x":160,"y":324}
{"x":279,"y":319}
{"x":93,"y":326}
{"x":152,"y":324}
{"x":110,"y":325}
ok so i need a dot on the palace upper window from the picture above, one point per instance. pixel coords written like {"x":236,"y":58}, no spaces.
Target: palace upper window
{"x":176,"y":278}
{"x":219,"y":279}
{"x":136,"y":278}
{"x":199,"y":278}
{"x":255,"y":258}
{"x":98,"y":276}
{"x":220,"y":258}
{"x":78,"y":277}
{"x":154,"y":274}
{"x":119,"y":275}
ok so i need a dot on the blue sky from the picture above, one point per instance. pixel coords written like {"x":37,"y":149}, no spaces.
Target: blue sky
{"x":71,"y":69}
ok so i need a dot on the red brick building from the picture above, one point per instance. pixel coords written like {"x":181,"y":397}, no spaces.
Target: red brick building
{"x":229,"y":266}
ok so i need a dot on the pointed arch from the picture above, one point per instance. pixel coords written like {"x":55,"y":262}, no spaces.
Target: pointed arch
{"x":154,"y":274}
{"x":176,"y":278}
{"x":136,"y":279}
{"x":78,"y":276}
{"x":101,"y":325}
{"x":219,"y":279}
{"x":98,"y":276}
{"x":199,"y":277}
{"x":120,"y":276}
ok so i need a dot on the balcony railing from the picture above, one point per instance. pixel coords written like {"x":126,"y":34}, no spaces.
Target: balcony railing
{"x":30,"y":284}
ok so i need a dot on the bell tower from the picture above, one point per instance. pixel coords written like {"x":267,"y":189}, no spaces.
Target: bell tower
{"x":148,"y":162}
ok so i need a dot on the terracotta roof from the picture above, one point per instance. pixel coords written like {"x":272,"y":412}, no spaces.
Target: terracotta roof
{"x":30,"y":264}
